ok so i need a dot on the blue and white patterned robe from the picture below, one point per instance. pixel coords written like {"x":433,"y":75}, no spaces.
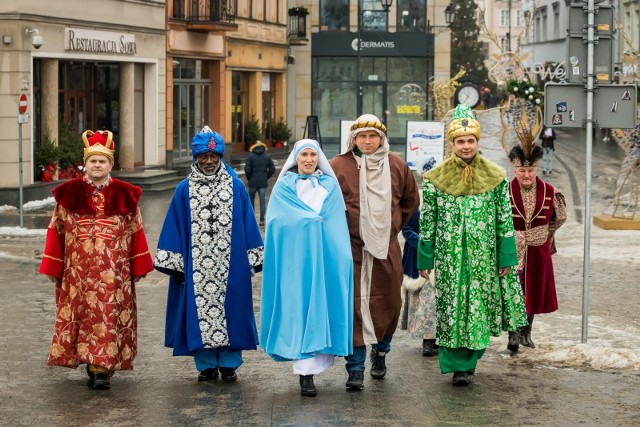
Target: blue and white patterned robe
{"x":209,"y":241}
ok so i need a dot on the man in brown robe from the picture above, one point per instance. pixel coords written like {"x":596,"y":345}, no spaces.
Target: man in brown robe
{"x":380,"y":194}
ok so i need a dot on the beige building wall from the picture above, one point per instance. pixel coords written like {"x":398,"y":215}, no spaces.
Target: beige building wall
{"x":259,"y":45}
{"x":145,"y":21}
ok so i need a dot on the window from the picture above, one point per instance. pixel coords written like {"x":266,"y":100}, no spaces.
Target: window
{"x":504,"y":18}
{"x":411,"y":15}
{"x":372,"y":16}
{"x":519,"y":18}
{"x":334,"y":15}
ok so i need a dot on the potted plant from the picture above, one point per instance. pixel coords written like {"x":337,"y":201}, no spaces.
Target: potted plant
{"x":71,"y":150}
{"x":45,"y":159}
{"x":280,"y":134}
{"x":252,"y":132}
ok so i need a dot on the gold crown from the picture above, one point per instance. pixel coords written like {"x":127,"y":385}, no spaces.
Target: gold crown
{"x":100,"y":142}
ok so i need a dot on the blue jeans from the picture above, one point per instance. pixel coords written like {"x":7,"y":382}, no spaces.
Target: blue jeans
{"x":261,"y":195}
{"x":355,"y":361}
{"x":217,"y":358}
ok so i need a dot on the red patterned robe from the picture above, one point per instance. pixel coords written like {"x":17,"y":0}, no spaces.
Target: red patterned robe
{"x":95,"y":246}
{"x":537,"y":213}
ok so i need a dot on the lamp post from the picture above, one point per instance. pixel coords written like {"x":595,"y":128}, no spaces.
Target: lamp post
{"x":386,"y":6}
{"x":509,"y":33}
{"x":449,"y":16}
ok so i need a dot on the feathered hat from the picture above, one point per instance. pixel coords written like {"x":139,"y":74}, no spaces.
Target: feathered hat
{"x":98,"y":142}
{"x":207,"y":140}
{"x":527,"y":152}
{"x":464,"y":123}
{"x":366,"y":122}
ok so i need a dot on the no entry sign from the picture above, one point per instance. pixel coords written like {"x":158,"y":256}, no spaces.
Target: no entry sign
{"x":22,"y":104}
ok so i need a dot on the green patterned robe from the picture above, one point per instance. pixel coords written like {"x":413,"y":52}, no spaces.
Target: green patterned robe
{"x":467,"y":238}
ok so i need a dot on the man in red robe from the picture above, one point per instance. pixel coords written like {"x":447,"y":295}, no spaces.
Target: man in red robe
{"x":538,"y":211}
{"x":95,"y":251}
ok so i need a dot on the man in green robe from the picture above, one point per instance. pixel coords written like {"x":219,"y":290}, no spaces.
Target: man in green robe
{"x":467,"y":236}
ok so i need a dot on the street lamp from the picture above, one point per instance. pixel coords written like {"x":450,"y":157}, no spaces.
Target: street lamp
{"x":449,"y":16}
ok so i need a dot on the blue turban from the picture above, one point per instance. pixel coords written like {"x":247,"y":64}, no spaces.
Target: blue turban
{"x":207,"y":140}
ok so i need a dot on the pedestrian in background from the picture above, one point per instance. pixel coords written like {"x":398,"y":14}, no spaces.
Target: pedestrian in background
{"x":380,"y":194}
{"x":548,"y":136}
{"x":209,"y":244}
{"x":258,"y":168}
{"x":538,"y":211}
{"x":95,"y":251}
{"x":306,"y":309}
{"x":467,"y":236}
{"x":421,"y":293}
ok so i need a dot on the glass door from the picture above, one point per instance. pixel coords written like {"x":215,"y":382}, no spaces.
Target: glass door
{"x":372,"y":99}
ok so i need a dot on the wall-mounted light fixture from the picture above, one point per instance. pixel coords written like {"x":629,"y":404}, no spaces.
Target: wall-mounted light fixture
{"x":36,"y":39}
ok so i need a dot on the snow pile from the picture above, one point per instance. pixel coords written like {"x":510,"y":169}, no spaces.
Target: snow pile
{"x":4,"y":256}
{"x":7,"y":208}
{"x":22,"y":232}
{"x":39,"y":204}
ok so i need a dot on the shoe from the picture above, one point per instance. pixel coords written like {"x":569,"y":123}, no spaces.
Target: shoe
{"x":101,"y":381}
{"x":355,"y":381}
{"x":378,"y":368}
{"x":429,"y":348}
{"x":514,"y":341}
{"x":261,"y":223}
{"x":228,"y":375}
{"x":460,"y":379}
{"x":471,"y":372}
{"x":91,"y":377}
{"x":307,"y":388}
{"x":526,"y":334}
{"x":210,"y":374}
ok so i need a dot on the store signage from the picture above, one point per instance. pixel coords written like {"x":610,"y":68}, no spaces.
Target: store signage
{"x":79,"y":40}
{"x":415,"y":45}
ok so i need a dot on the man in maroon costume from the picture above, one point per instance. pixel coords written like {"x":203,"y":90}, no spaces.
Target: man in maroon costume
{"x":95,"y":251}
{"x":538,"y":211}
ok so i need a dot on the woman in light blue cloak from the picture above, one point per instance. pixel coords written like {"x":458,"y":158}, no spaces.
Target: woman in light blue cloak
{"x":306,"y":312}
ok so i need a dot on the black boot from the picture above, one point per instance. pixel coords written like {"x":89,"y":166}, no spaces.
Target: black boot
{"x":514,"y":341}
{"x":460,"y":379}
{"x":378,"y":367}
{"x":209,"y":374}
{"x":307,"y":388}
{"x":228,"y":375}
{"x":526,"y":334}
{"x":355,"y":381}
{"x":428,"y":348}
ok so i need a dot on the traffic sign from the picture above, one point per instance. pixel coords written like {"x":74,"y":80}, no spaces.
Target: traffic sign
{"x":23,"y":119}
{"x":614,"y":106}
{"x":22,"y":103}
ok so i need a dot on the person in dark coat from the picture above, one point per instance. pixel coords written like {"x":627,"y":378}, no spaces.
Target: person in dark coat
{"x":259,"y":167}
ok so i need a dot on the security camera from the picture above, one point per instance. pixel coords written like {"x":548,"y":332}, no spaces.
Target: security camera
{"x":36,"y":39}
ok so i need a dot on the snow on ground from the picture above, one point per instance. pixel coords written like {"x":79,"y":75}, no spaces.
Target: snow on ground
{"x":31,"y":206}
{"x":21,"y":232}
{"x":4,"y":256}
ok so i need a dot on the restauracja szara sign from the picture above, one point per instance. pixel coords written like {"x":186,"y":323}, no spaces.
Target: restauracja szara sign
{"x":79,"y":40}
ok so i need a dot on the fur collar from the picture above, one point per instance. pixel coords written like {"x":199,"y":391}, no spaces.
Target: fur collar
{"x":457,"y":178}
{"x":120,"y":198}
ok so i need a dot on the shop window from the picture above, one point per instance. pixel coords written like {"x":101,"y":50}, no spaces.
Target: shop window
{"x":411,"y":15}
{"x":372,"y":16}
{"x":334,"y":15}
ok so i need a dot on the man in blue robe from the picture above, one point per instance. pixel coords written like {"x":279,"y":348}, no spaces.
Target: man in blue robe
{"x":209,"y":244}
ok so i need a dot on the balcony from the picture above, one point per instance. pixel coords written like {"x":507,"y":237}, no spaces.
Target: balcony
{"x":206,"y":15}
{"x":298,"y":26}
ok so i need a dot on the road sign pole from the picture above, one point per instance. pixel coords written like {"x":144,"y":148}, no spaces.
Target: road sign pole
{"x":20,"y":177}
{"x":588,"y":155}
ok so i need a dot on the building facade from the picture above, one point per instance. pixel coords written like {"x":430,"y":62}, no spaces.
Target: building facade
{"x":228,"y":65}
{"x":82,"y":70}
{"x":401,"y":51}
